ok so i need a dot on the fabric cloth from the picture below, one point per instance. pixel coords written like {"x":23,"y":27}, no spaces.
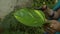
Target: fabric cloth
{"x":57,"y":5}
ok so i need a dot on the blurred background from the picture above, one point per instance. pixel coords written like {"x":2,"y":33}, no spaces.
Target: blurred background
{"x":8,"y":23}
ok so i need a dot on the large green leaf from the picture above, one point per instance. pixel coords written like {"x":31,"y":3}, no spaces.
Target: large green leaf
{"x":30,"y":17}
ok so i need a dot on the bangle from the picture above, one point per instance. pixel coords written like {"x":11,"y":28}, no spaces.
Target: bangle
{"x":51,"y":16}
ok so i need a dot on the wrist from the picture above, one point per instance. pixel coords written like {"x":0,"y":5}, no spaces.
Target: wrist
{"x":51,"y":14}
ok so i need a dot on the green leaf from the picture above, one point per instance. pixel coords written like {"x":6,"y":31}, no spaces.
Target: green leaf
{"x":30,"y":17}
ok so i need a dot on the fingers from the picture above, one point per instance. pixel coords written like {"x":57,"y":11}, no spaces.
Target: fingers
{"x":48,"y":29}
{"x":52,"y":27}
{"x":54,"y":24}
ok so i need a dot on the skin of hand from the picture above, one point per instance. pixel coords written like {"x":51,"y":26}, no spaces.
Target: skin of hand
{"x":55,"y":25}
{"x":52,"y":27}
{"x":47,"y":27}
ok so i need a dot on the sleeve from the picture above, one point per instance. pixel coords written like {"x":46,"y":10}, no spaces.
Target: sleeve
{"x":57,"y":6}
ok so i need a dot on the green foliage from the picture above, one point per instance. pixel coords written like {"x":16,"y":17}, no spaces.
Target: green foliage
{"x":12,"y":26}
{"x":30,"y":17}
{"x":49,"y":3}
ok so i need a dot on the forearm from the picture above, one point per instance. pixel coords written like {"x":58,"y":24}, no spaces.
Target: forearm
{"x":51,"y":13}
{"x":56,"y":15}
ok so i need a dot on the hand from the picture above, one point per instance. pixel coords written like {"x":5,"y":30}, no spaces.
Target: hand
{"x":55,"y":25}
{"x":52,"y":27}
{"x":48,"y":29}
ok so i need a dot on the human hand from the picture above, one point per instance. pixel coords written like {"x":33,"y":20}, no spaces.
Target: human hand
{"x":52,"y":27}
{"x":55,"y":25}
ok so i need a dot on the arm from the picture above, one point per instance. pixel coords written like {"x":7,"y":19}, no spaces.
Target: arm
{"x":52,"y":14}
